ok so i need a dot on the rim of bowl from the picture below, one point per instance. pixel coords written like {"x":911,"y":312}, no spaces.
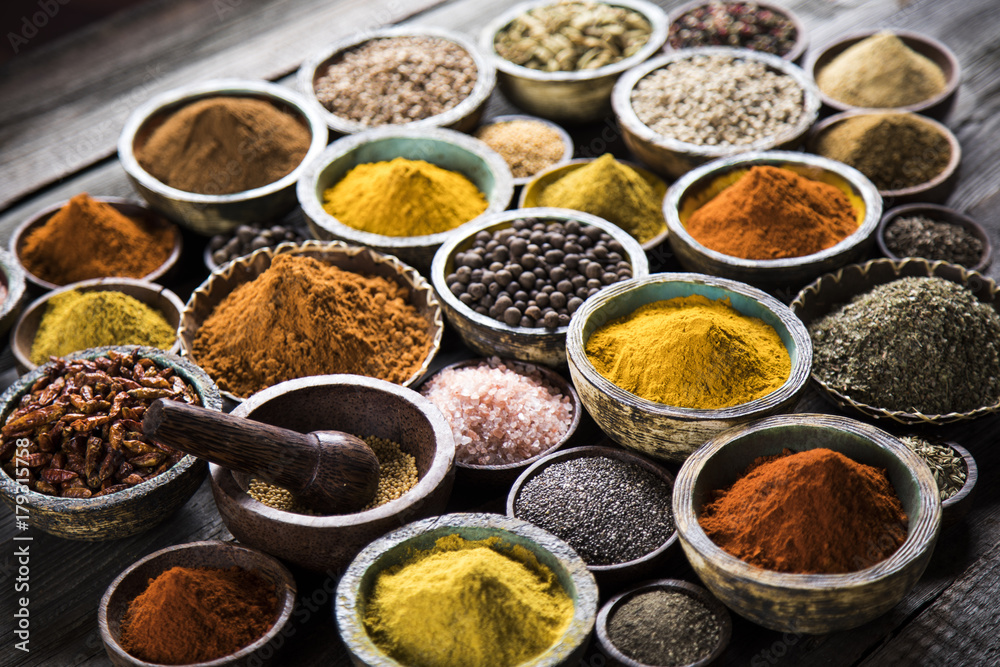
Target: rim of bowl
{"x":192,"y":374}
{"x":444,"y":254}
{"x":485,"y":78}
{"x":801,"y":39}
{"x":407,"y":274}
{"x":13,"y":281}
{"x":553,"y":378}
{"x":621,"y":102}
{"x":563,"y":134}
{"x":177,"y":98}
{"x":907,"y":36}
{"x":797,"y":377}
{"x":150,"y":217}
{"x":273,"y":566}
{"x":859,"y":183}
{"x":580,"y":627}
{"x":656,"y":17}
{"x":937,"y":213}
{"x":98,"y":285}
{"x":918,"y":537}
{"x":971,"y":475}
{"x":598,"y":451}
{"x":699,"y":593}
{"x":949,"y":170}
{"x":313,"y":207}
{"x":900,"y":269}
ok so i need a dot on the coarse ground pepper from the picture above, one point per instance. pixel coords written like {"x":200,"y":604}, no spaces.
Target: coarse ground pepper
{"x":920,"y":236}
{"x":664,"y":627}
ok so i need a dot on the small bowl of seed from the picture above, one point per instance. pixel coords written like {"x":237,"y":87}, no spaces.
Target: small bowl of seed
{"x":758,"y":26}
{"x":934,"y":232}
{"x":530,"y":145}
{"x":954,"y":470}
{"x":560,"y":60}
{"x":245,"y":239}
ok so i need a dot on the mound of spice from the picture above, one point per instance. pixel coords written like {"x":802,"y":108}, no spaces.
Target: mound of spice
{"x":920,"y":236}
{"x":773,"y":213}
{"x":663,"y":627}
{"x":88,"y":239}
{"x":691,"y":352}
{"x":718,"y":100}
{"x":744,"y":25}
{"x":403,"y":198}
{"x":223,"y":145}
{"x":610,"y":511}
{"x":500,"y":411}
{"x":527,"y":146}
{"x":613,"y":191}
{"x":77,"y":320}
{"x":397,"y":80}
{"x":196,"y":614}
{"x":948,"y":468}
{"x":915,"y":344}
{"x":478,"y":603}
{"x":247,"y":238}
{"x":302,"y":317}
{"x":567,"y":36}
{"x":895,"y":151}
{"x":881,"y":72}
{"x":811,"y":512}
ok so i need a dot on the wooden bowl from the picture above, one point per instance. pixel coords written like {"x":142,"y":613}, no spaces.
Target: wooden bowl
{"x":533,"y":190}
{"x":133,"y":582}
{"x":664,"y":431}
{"x":503,"y":475}
{"x":580,"y":96}
{"x":155,"y":296}
{"x":447,"y":149}
{"x":941,"y":214}
{"x":720,"y":612}
{"x":127,"y":512}
{"x":563,"y":134}
{"x":673,"y":158}
{"x":12,"y":287}
{"x":360,"y":406}
{"x":490,"y":337}
{"x":221,"y":282}
{"x":616,"y":574}
{"x":807,"y":603}
{"x":836,"y":289}
{"x":936,"y":189}
{"x":794,"y":55}
{"x":396,"y":547}
{"x":938,"y":106}
{"x":123,"y":206}
{"x":215,"y":214}
{"x":955,"y":508}
{"x":697,"y":187}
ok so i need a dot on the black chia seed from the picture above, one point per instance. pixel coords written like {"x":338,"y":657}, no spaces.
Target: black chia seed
{"x":664,"y":628}
{"x":918,"y":236}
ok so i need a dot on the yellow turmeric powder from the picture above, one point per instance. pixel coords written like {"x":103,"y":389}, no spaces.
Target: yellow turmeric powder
{"x":475,"y":603}
{"x":403,"y":198}
{"x":691,"y":352}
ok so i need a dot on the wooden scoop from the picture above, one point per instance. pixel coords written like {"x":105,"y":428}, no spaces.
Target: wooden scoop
{"x":329,"y":471}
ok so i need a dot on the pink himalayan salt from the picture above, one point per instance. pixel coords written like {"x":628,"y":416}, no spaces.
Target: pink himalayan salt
{"x":500,"y":412}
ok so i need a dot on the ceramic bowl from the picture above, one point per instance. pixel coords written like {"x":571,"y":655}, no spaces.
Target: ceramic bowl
{"x":575,"y":97}
{"x":244,"y":269}
{"x":490,"y":337}
{"x":940,"y":214}
{"x":215,"y":214}
{"x":531,"y":192}
{"x":669,"y":586}
{"x":607,"y":576}
{"x":699,"y":186}
{"x":127,"y":512}
{"x":360,"y":406}
{"x":664,"y":431}
{"x":123,"y":206}
{"x":836,"y":289}
{"x":563,"y":134}
{"x":13,"y":288}
{"x":447,"y":149}
{"x":395,"y":548}
{"x":807,"y":603}
{"x":794,"y":55}
{"x":463,"y":117}
{"x":155,"y":296}
{"x":938,"y":106}
{"x":133,"y":582}
{"x":670,"y":157}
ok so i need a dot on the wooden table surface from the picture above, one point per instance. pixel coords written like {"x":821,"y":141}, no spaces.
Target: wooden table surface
{"x":63,"y":106}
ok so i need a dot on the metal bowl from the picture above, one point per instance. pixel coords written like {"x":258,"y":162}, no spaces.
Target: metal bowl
{"x":563,"y":134}
{"x":13,"y":286}
{"x":942,"y":214}
{"x":579,"y":96}
{"x":463,"y":117}
{"x":670,"y":157}
{"x":215,"y":214}
{"x":794,"y":55}
{"x":445,"y":148}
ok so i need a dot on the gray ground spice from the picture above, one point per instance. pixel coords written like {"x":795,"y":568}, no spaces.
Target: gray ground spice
{"x":664,"y":628}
